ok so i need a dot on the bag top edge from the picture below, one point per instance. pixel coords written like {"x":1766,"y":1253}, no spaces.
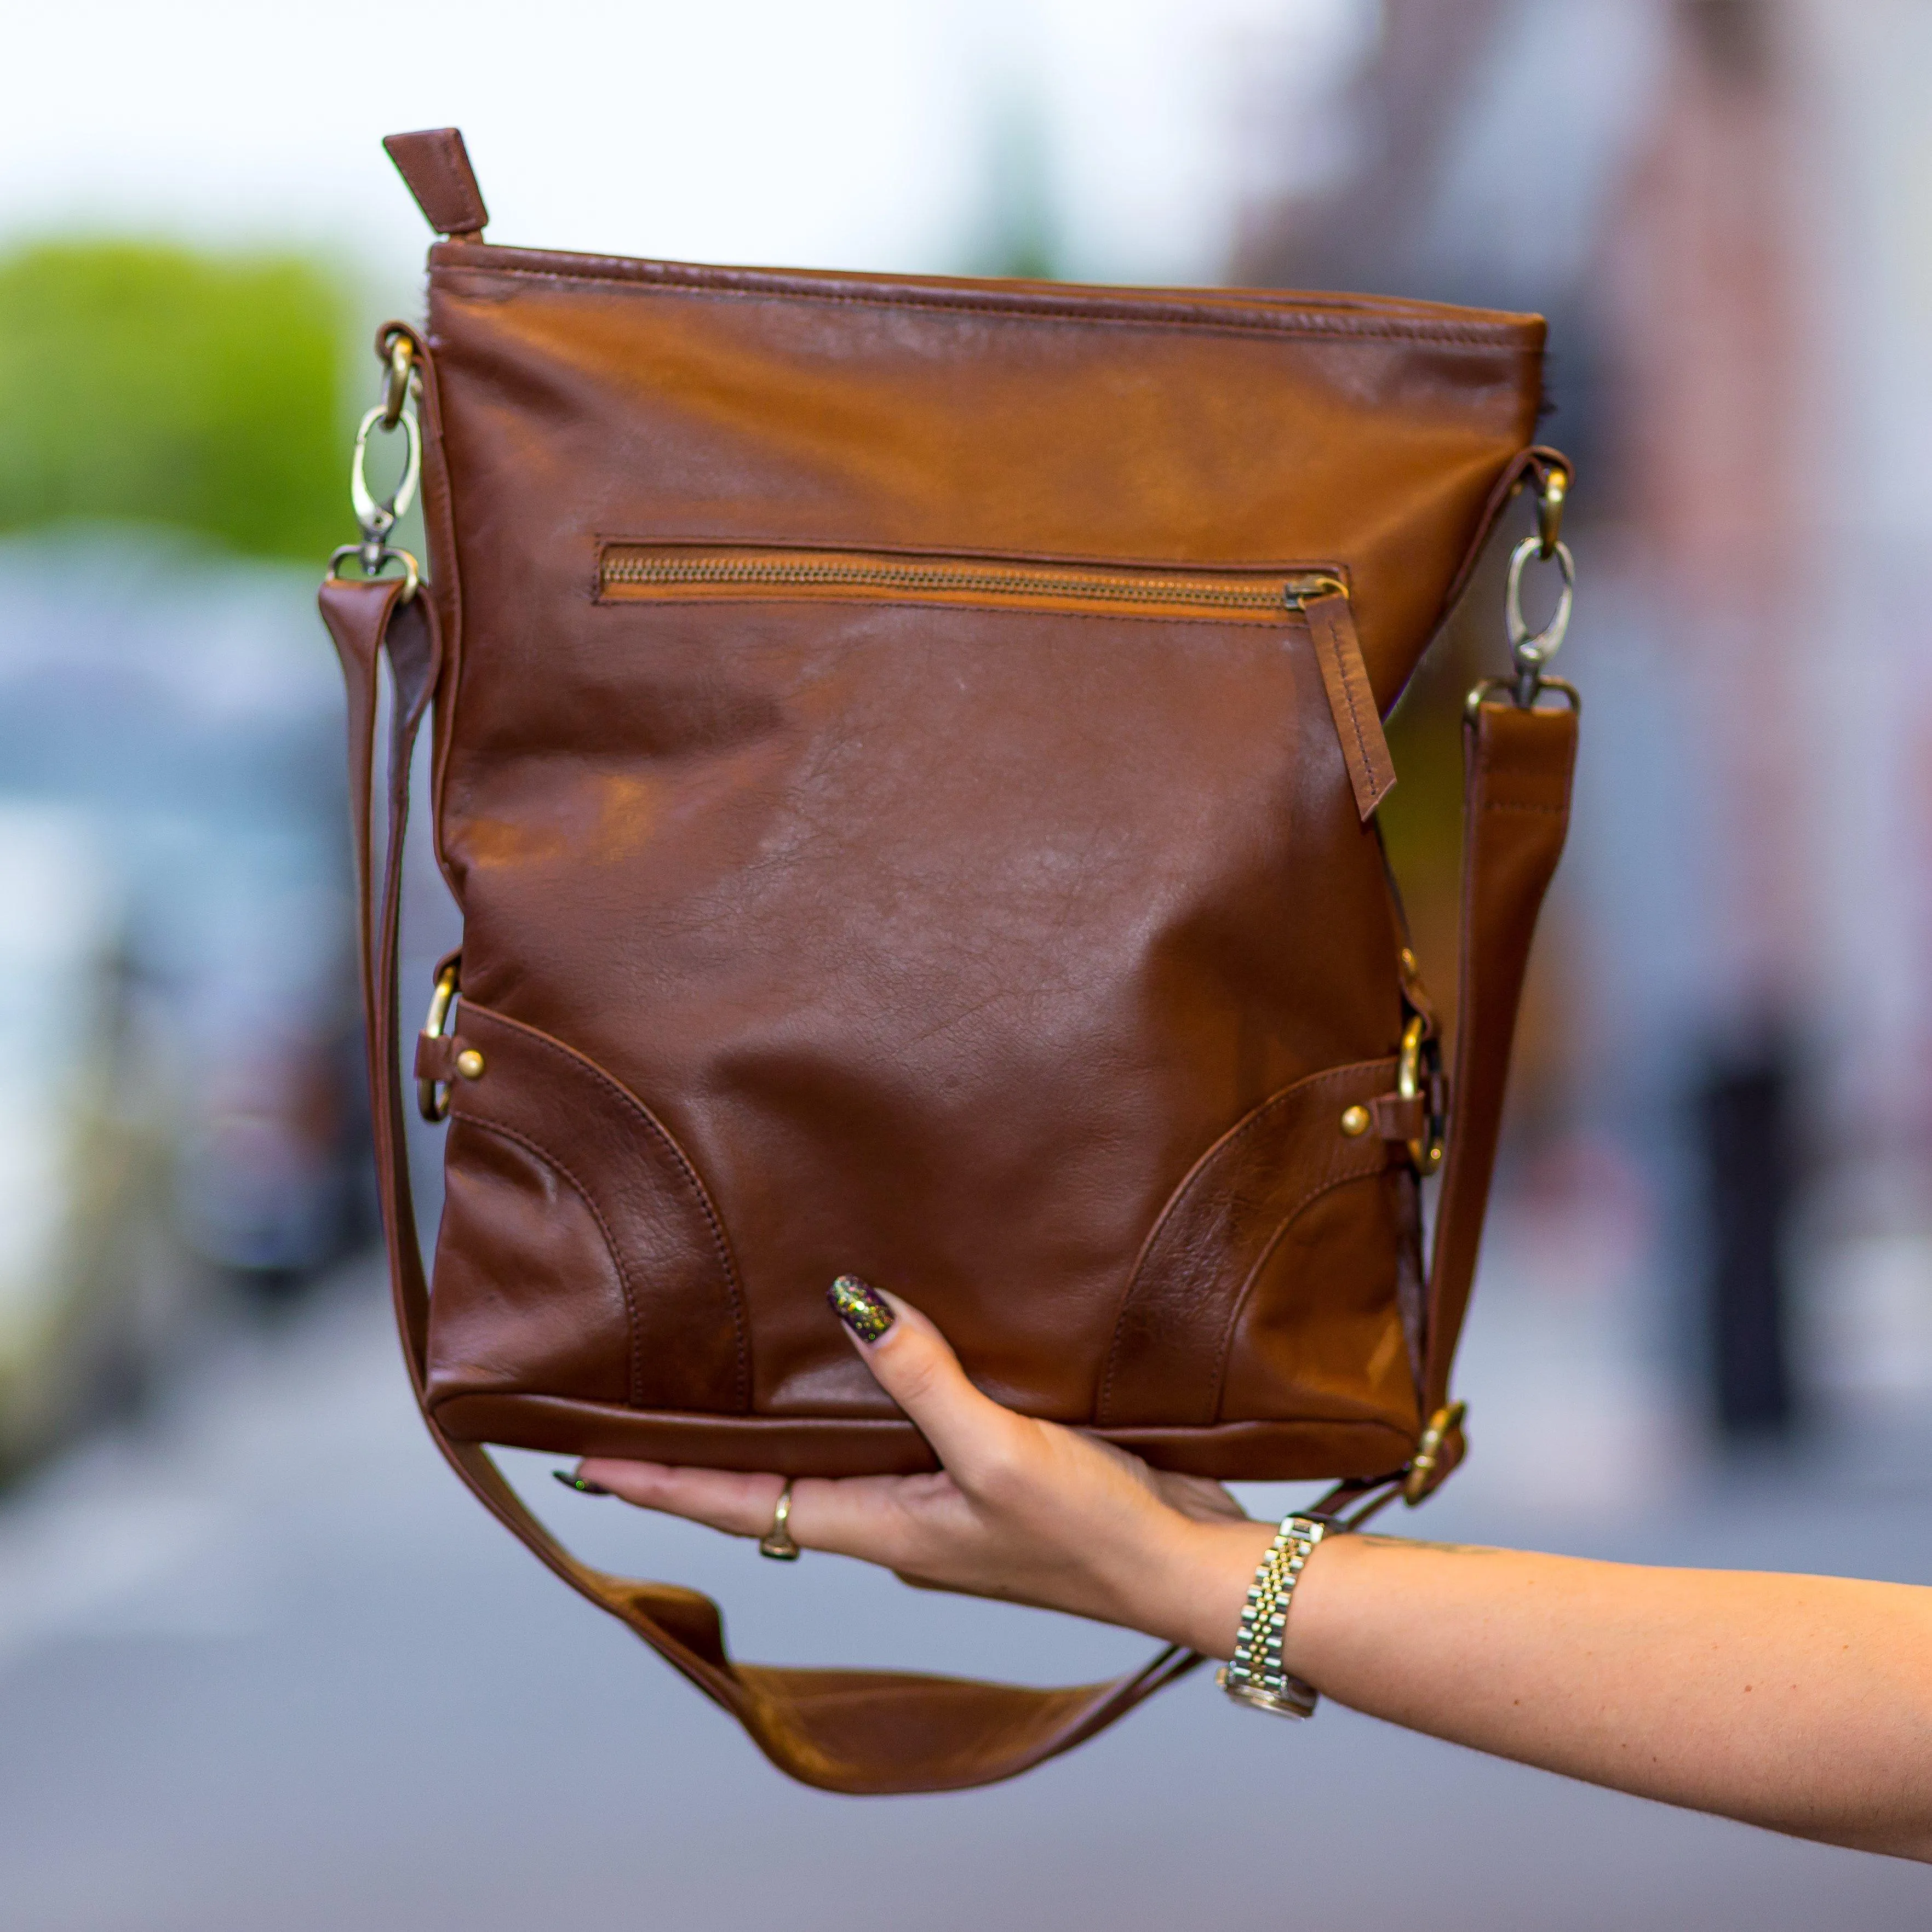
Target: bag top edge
{"x":1298,"y":312}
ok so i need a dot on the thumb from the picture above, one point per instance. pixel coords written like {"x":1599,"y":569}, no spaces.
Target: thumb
{"x":911,"y":1360}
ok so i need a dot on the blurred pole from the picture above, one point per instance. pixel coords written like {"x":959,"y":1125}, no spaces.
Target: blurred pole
{"x":1745,"y":1114}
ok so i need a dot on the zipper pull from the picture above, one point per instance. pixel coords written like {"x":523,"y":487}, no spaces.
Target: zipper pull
{"x":1357,"y":723}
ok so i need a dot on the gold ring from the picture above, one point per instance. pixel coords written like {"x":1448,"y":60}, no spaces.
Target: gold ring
{"x":776,"y":1542}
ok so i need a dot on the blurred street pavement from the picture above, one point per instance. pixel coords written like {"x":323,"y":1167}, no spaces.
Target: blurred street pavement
{"x":263,"y":1664}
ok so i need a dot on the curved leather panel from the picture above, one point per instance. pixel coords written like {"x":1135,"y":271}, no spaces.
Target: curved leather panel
{"x":1177,"y":1320}
{"x":1314,"y":1337}
{"x":687,"y":1346}
{"x":515,"y":1229}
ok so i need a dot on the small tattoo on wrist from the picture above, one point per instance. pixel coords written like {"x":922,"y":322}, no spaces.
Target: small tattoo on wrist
{"x":1423,"y":1543}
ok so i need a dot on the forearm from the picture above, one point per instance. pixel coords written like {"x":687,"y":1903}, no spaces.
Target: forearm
{"x":1803,"y":1704}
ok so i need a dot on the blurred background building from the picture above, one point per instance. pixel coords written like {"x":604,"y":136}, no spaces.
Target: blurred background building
{"x":1711,"y":1261}
{"x":1722,"y":204}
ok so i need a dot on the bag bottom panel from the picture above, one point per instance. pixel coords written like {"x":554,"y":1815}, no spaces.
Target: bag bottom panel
{"x":1311,"y":1450}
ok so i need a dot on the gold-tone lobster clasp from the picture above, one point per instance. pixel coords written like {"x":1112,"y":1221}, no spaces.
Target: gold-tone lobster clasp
{"x":376,"y":517}
{"x":1531,"y":649}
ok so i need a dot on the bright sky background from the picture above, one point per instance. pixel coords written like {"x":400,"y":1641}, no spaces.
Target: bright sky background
{"x":841,"y":133}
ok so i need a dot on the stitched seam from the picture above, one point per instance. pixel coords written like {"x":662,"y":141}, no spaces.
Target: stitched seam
{"x":462,"y":178}
{"x":636,"y":1377}
{"x":1332,"y":648}
{"x":698,"y":1189}
{"x":1305,"y":327}
{"x":1289,"y":1095}
{"x":440,"y":531}
{"x":1347,"y":685}
{"x":1266,"y":1254}
{"x":1305,"y":324}
{"x":1173,"y":1205}
{"x":890,"y":1427}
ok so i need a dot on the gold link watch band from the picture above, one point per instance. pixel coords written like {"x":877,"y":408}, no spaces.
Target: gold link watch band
{"x":1255,"y":1674}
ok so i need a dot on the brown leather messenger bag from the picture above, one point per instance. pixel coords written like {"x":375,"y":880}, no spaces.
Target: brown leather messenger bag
{"x":906,"y":751}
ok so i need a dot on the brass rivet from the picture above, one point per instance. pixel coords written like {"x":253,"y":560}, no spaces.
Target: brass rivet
{"x":469,"y":1063}
{"x":1355,"y":1120}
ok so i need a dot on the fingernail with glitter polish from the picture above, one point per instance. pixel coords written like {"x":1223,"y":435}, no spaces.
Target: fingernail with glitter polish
{"x":582,"y":1485}
{"x":861,"y":1307}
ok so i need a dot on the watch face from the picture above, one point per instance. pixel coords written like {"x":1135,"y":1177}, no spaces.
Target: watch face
{"x":1297,"y":1699}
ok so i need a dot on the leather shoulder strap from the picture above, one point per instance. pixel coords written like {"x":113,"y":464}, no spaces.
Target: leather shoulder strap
{"x":853,"y":1731}
{"x":1517,"y":768}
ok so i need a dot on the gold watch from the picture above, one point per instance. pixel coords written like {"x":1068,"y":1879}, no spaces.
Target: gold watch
{"x":1255,"y":1674}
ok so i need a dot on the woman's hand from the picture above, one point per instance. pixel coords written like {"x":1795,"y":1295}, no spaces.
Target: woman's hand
{"x":1022,"y":1510}
{"x":1802,"y":1703}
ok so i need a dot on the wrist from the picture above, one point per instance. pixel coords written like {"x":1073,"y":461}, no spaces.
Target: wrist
{"x":1206,"y":1577}
{"x":1303,"y":1645}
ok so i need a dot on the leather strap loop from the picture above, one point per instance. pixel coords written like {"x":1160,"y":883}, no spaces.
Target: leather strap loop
{"x":1396,"y":1119}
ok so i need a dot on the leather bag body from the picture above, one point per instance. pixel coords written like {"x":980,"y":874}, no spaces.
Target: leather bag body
{"x":905,"y":753}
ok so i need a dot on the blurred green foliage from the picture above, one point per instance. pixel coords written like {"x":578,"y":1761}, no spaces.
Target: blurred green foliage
{"x":146,"y":381}
{"x":1020,"y":227}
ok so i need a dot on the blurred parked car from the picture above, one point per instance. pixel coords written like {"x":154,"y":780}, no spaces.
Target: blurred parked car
{"x":79,"y":1182}
{"x":176,"y":987}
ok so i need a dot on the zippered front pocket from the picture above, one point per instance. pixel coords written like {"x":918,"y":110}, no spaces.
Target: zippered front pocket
{"x":699,"y":573}
{"x":705,"y":573}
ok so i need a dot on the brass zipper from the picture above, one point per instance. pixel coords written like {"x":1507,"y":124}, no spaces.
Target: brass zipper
{"x":674,"y":573}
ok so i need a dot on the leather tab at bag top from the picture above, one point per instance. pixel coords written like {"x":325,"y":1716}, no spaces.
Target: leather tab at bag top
{"x":906,"y":755}
{"x":436,"y":166}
